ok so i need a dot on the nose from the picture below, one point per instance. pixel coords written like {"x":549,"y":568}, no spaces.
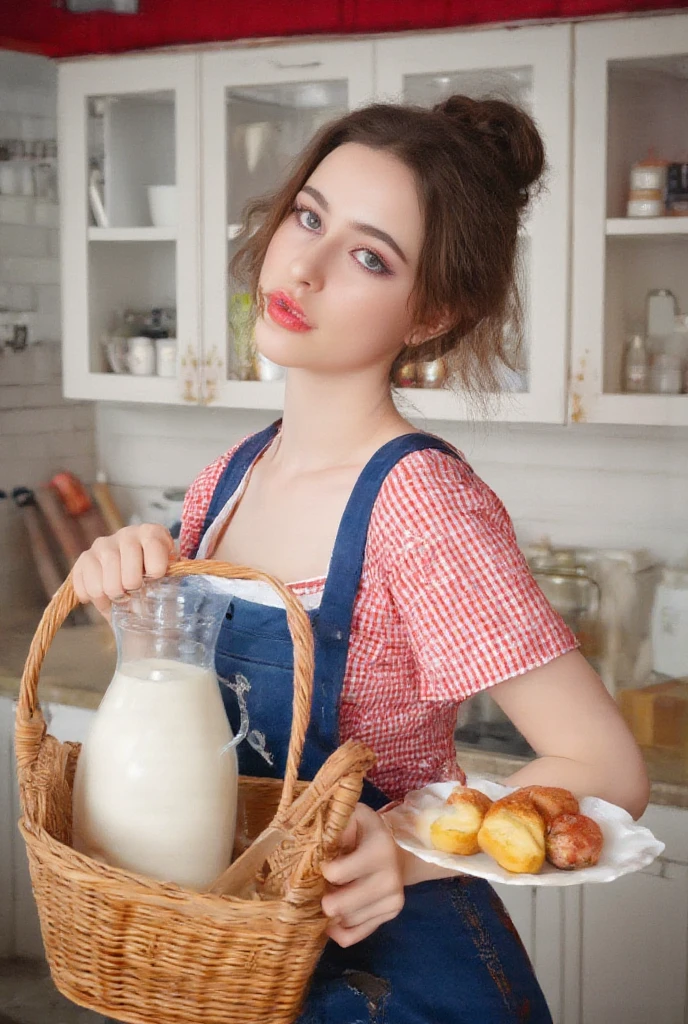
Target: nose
{"x":307,"y":268}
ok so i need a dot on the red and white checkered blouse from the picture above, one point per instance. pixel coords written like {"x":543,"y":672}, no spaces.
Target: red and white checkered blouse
{"x":446,"y":607}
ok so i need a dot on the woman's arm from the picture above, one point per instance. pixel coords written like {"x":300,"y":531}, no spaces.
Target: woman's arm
{"x":577,"y":731}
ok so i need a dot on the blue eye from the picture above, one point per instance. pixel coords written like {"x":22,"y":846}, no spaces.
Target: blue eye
{"x":306,"y":218}
{"x":372,"y":262}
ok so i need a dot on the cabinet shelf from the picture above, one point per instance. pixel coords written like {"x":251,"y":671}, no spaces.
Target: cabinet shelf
{"x":641,"y":410}
{"x":635,"y":227}
{"x":132,"y":234}
{"x":126,"y":387}
{"x":417,"y":403}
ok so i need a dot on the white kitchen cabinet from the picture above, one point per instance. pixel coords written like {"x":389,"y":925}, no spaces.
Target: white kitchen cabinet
{"x":520,"y":903}
{"x":624,"y":949}
{"x":634,"y":951}
{"x":532,"y":68}
{"x":6,"y":829}
{"x":631,"y":96}
{"x":19,"y":927}
{"x":223,"y":125}
{"x":133,"y":120}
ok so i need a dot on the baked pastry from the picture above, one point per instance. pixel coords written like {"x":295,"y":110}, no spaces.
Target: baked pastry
{"x":513,"y":833}
{"x":456,"y":829}
{"x":551,"y":801}
{"x":573,"y":841}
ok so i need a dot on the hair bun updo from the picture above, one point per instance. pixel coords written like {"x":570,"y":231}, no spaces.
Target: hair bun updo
{"x":509,"y":131}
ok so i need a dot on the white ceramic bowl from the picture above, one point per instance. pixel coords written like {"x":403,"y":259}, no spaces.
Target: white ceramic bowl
{"x":162,"y":200}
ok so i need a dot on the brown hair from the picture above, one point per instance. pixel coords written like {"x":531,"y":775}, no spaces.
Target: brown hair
{"x":475,"y":162}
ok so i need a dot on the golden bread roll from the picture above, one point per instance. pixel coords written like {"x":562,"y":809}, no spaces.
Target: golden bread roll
{"x":456,"y":829}
{"x":513,"y":833}
{"x":551,"y":801}
{"x":574,"y":841}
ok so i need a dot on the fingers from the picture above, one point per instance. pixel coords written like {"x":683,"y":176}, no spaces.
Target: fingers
{"x":375,"y":845}
{"x":86,"y":592}
{"x":386,"y":906}
{"x":117,"y":564}
{"x":348,"y":936}
{"x":158,"y":549}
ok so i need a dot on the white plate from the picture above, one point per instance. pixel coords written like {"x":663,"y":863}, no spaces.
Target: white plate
{"x":627,"y":846}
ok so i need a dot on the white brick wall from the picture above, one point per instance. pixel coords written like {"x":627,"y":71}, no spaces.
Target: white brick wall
{"x":621,"y":487}
{"x":40,"y":432}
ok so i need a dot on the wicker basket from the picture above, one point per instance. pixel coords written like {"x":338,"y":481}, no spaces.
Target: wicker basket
{"x":153,"y":953}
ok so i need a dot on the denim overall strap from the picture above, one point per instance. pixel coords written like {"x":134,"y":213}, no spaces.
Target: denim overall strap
{"x":333,"y":621}
{"x":233,"y":473}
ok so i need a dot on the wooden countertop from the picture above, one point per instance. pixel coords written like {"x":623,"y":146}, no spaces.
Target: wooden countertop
{"x":81,"y":662}
{"x":77,"y":668}
{"x":668,"y":775}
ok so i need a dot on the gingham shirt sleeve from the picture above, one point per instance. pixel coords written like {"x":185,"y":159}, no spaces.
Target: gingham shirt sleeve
{"x":473,"y":613}
{"x":197,"y":501}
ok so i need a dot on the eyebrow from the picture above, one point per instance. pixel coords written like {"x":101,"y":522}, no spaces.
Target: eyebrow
{"x":368,"y":229}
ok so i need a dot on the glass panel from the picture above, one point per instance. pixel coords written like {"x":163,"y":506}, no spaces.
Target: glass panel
{"x":647,"y":118}
{"x":647,"y":178}
{"x":131,"y":149}
{"x":268,"y":126}
{"x":132,"y":315}
{"x":514,"y":85}
{"x":511,"y":84}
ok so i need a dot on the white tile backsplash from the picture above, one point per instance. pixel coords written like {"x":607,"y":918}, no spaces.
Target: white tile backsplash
{"x":26,"y":270}
{"x":16,"y":210}
{"x":24,"y":240}
{"x":616,"y":487}
{"x":46,"y":214}
{"x":40,"y":432}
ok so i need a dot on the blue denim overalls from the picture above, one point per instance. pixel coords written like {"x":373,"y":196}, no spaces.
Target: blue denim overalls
{"x":452,"y":956}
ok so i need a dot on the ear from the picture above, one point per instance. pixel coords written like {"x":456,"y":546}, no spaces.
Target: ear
{"x":421,"y":333}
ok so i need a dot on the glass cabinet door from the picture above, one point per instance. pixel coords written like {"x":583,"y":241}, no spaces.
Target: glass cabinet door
{"x":260,"y":109}
{"x":129,"y":228}
{"x":630,"y":286}
{"x":529,"y":67}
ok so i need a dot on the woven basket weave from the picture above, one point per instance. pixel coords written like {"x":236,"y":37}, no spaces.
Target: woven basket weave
{"x":154,"y":953}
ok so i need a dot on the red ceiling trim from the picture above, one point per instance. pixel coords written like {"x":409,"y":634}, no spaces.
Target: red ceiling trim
{"x":42,"y":26}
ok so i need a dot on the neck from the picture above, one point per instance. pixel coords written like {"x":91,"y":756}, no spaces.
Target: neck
{"x":335,"y":421}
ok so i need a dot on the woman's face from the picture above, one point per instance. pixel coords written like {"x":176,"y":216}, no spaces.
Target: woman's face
{"x":339,"y":270}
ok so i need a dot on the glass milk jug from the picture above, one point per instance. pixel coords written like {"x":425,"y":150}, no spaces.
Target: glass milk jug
{"x":155,"y":789}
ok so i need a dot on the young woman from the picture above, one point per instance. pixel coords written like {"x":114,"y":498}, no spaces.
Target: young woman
{"x":394,"y":240}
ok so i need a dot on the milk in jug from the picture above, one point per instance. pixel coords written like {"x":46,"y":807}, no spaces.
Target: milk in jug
{"x":155,"y":789}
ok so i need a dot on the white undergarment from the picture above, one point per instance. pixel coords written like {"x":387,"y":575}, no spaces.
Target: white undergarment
{"x":248,"y":590}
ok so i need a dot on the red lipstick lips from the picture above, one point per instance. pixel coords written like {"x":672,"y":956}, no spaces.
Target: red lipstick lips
{"x":287,"y":313}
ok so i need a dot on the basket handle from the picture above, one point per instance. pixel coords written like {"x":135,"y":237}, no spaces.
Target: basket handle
{"x":30,"y":724}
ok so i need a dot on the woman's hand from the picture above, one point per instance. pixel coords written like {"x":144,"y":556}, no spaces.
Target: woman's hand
{"x":366,"y":881}
{"x":113,"y":565}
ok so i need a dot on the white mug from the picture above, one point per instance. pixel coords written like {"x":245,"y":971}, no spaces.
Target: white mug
{"x":141,"y":356}
{"x":166,"y":357}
